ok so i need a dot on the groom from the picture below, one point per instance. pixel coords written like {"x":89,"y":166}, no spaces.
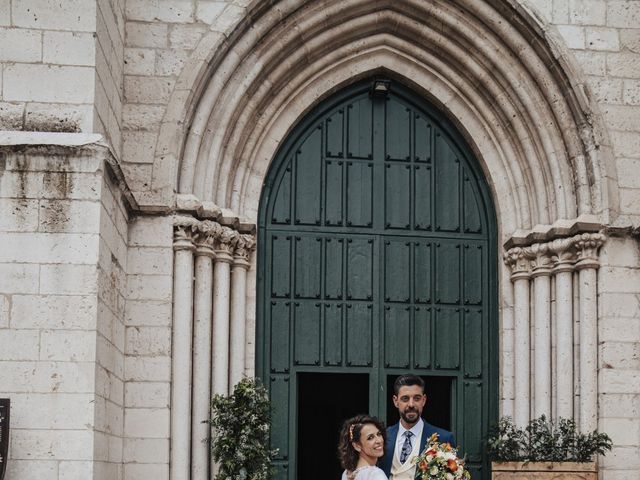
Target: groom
{"x":407,"y":439}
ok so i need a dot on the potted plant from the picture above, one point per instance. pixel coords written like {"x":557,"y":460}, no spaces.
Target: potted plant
{"x":240,"y":440}
{"x":544,"y":450}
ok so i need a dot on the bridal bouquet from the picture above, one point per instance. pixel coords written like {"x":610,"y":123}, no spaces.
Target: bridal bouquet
{"x":440,"y":461}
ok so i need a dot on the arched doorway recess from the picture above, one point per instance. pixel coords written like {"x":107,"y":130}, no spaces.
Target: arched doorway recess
{"x":377,"y":256}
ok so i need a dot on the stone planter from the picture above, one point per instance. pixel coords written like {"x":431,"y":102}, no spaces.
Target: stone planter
{"x":544,"y":471}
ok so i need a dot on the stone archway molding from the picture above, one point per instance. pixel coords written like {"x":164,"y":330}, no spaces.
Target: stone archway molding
{"x":497,"y":70}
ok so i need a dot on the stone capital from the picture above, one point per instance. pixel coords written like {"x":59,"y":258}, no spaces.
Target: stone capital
{"x":185,"y":229}
{"x":587,"y":246}
{"x":517,"y":259}
{"x":225,"y":244}
{"x":541,"y":262}
{"x":244,"y":247}
{"x":563,"y":255}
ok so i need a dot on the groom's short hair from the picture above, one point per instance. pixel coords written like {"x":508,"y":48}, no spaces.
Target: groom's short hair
{"x":407,"y":381}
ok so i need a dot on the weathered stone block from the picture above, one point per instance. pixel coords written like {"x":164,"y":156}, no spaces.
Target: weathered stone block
{"x":171,"y":62}
{"x":169,"y":11}
{"x":619,"y":381}
{"x":68,"y":345}
{"x":40,"y":469}
{"x":147,"y":394}
{"x":142,"y":117}
{"x":622,"y":354}
{"x":69,"y":48}
{"x":18,"y":278}
{"x":19,"y":344}
{"x":75,"y":15}
{"x":76,"y":469}
{"x":139,"y":147}
{"x":614,"y":405}
{"x":52,"y":444}
{"x":133,"y":471}
{"x":623,"y":64}
{"x":54,"y":312}
{"x":47,"y":377}
{"x":11,"y":116}
{"x":626,"y":144}
{"x":602,"y":39}
{"x":148,"y":341}
{"x":154,"y":35}
{"x":149,"y":261}
{"x":148,"y":313}
{"x":49,"y":248}
{"x":20,"y":45}
{"x":52,"y":410}
{"x":47,"y":83}
{"x":186,"y":36}
{"x":147,"y":369}
{"x":18,"y":215}
{"x":151,"y":232}
{"x":631,"y":92}
{"x":5,"y":311}
{"x":139,"y":61}
{"x":75,"y":216}
{"x":587,"y":12}
{"x":573,"y":35}
{"x":146,"y":450}
{"x":146,"y":422}
{"x":68,"y":279}
{"x":623,"y":14}
{"x":147,"y":89}
{"x":5,"y":12}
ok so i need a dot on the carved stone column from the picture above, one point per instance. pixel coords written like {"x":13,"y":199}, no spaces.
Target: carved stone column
{"x":516,"y":258}
{"x":564,"y":259}
{"x":541,"y":274}
{"x":224,"y":247}
{"x":183,"y":247}
{"x":202,"y":349}
{"x":242,"y":253}
{"x":587,"y":246}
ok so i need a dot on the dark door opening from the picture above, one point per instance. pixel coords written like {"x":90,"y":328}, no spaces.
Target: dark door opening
{"x":324,"y":401}
{"x":437,"y":411}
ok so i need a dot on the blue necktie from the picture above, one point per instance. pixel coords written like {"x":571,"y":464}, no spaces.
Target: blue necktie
{"x":406,"y":446}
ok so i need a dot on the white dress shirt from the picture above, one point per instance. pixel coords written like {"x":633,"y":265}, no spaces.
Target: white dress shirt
{"x":417,"y":434}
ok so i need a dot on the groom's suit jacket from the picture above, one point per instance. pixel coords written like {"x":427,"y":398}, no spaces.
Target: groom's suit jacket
{"x":427,"y":431}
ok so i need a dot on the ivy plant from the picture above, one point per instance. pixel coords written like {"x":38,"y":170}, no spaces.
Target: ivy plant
{"x":240,"y":433}
{"x":544,"y":441}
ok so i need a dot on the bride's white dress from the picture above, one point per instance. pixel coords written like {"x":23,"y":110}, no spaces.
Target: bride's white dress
{"x":366,"y":473}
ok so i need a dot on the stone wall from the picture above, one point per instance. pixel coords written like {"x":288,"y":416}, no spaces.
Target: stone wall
{"x":148,"y":348}
{"x":61,"y":66}
{"x":62,"y":285}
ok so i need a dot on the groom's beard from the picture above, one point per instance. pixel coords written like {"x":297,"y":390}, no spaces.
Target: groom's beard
{"x":410,"y":415}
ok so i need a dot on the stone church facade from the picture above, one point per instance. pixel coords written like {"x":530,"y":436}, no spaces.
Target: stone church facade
{"x":136,"y":138}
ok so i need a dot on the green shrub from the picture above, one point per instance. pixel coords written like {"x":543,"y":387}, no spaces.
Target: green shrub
{"x":544,"y":441}
{"x":241,"y":424}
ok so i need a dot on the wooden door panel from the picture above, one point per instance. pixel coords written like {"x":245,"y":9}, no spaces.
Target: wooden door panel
{"x":377,"y":257}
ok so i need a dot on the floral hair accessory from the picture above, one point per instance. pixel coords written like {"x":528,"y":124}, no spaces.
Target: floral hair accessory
{"x":351,"y":432}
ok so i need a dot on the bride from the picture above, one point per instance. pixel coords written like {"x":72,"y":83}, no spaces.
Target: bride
{"x":361,"y":444}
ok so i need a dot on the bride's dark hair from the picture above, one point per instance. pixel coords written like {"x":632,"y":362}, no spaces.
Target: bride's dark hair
{"x":349,"y":433}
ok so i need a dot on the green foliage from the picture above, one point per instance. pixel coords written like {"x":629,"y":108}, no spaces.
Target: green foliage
{"x":544,"y":441}
{"x":241,"y":424}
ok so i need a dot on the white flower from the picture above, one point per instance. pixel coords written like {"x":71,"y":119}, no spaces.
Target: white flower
{"x":450,"y":476}
{"x":434,"y":470}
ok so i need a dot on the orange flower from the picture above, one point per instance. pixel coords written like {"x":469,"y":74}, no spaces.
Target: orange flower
{"x":452,"y":465}
{"x":431,"y":451}
{"x":423,"y":465}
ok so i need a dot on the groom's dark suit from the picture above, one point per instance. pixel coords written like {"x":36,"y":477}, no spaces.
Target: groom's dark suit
{"x":444,"y":436}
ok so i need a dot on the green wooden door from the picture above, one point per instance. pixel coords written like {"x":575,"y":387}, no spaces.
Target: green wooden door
{"x":377,"y":256}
